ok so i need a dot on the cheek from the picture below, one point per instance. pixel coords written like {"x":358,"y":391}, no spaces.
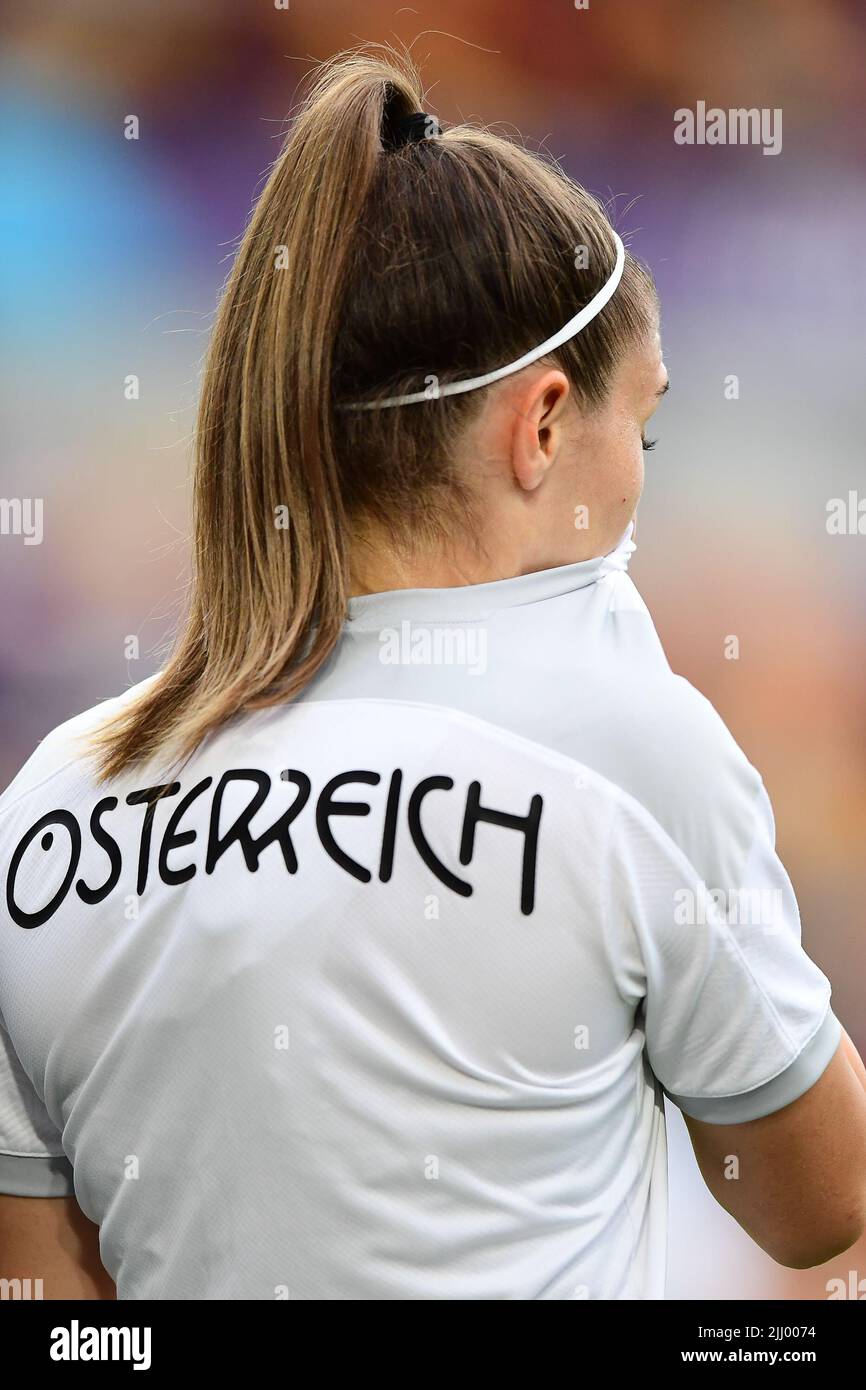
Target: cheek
{"x":638,"y":469}
{"x":627,"y":474}
{"x":608,"y":474}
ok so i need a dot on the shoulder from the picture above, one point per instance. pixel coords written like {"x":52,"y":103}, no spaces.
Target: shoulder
{"x":666,"y":745}
{"x":650,"y":732}
{"x":678,"y":759}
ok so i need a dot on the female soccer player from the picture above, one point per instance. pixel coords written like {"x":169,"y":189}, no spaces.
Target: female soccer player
{"x":351,"y":955}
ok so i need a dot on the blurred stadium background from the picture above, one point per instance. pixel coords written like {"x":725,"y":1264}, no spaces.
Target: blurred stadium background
{"x":112,"y":253}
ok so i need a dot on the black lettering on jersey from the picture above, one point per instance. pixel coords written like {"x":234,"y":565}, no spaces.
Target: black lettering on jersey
{"x":420,"y":841}
{"x":528,"y":824}
{"x":389,"y":834}
{"x":280,"y":830}
{"x":174,"y":839}
{"x":112,"y":849}
{"x":64,"y":818}
{"x":148,"y":798}
{"x":327,"y":808}
{"x":240,"y":829}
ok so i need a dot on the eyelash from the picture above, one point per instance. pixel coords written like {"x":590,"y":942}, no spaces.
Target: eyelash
{"x":648,"y":443}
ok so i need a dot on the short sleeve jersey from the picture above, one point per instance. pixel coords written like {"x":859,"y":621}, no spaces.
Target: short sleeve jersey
{"x":378,"y":996}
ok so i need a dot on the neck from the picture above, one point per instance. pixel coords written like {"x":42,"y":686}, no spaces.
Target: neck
{"x":378,"y":565}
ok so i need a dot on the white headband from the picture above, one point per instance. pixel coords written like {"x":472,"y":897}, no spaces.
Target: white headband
{"x":569,"y":330}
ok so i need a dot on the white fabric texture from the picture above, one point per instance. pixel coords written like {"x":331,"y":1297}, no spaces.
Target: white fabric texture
{"x":381,"y":1000}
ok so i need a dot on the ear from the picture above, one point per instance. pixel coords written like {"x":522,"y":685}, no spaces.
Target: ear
{"x":539,"y":405}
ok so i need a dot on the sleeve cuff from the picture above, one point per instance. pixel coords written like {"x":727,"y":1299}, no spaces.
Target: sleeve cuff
{"x":773,"y":1095}
{"x":34,"y":1175}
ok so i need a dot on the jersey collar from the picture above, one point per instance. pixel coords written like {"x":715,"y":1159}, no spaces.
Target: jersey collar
{"x":469,"y":602}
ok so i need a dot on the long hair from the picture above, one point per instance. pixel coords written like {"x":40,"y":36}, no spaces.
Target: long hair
{"x":365,"y":270}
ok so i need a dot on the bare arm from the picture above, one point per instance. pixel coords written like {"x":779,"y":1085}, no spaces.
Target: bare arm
{"x":854,"y":1058}
{"x":50,"y":1238}
{"x":798,"y":1186}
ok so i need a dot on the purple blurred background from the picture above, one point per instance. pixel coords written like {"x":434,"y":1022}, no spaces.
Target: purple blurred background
{"x":112,"y":254}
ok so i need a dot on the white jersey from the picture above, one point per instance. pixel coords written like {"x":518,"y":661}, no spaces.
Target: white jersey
{"x":379,"y":999}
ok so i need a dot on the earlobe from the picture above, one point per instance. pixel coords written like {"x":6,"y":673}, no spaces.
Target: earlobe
{"x":534,"y":453}
{"x":529,"y":473}
{"x":538,"y":431}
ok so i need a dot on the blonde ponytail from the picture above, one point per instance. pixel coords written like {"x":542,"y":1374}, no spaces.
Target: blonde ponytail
{"x":365,"y":269}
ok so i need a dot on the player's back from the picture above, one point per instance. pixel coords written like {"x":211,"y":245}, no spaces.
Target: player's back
{"x":377,"y":995}
{"x":334,"y":1017}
